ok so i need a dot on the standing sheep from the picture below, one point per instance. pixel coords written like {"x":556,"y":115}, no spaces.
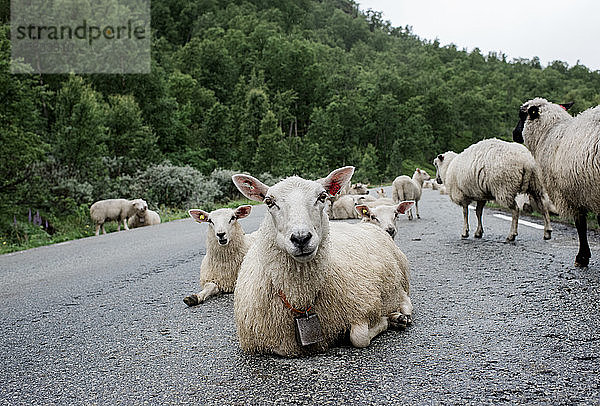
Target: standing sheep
{"x":306,"y":281}
{"x":383,"y":216}
{"x":491,"y":170}
{"x":405,"y":188}
{"x":567,"y":150}
{"x":114,"y":209}
{"x":226,"y":246}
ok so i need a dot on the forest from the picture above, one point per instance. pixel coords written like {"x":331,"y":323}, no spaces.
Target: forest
{"x":269,"y":87}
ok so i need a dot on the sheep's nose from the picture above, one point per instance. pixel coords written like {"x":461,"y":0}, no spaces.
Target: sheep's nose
{"x":220,"y":236}
{"x":301,"y":238}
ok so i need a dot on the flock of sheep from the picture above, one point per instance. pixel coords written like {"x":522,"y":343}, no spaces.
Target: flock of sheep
{"x":301,"y":282}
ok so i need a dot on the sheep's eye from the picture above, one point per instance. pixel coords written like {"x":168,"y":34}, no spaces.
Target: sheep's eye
{"x":232,"y":219}
{"x":322,"y":197}
{"x":269,"y":202}
{"x":209,"y":221}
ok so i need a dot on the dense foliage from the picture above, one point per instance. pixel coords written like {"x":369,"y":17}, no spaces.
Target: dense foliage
{"x":277,"y":86}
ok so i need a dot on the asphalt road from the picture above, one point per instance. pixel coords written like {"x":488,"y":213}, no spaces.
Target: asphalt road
{"x":101,"y":321}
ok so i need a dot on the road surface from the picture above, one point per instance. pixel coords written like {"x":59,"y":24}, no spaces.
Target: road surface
{"x":101,"y":321}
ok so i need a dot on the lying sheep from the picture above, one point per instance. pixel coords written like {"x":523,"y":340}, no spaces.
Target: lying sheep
{"x":143,"y":217}
{"x":351,"y":276}
{"x":114,"y":210}
{"x":405,"y":188}
{"x":359,"y":189}
{"x":567,"y":150}
{"x":491,"y":170}
{"x":226,"y":246}
{"x":383,"y":216}
{"x":343,"y":207}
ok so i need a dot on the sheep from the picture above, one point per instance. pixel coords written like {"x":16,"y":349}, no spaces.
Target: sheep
{"x":566,"y":149}
{"x":226,"y":246}
{"x":383,"y":216}
{"x":491,"y":170}
{"x":358,"y":189}
{"x":343,"y":207}
{"x":405,"y":188}
{"x":381,"y":194}
{"x":143,"y":217}
{"x":351,"y":276}
{"x":114,"y":209}
{"x":428,"y":184}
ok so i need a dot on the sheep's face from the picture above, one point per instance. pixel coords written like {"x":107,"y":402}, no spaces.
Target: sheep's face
{"x":384,"y":216}
{"x":437,"y":162}
{"x":140,"y":206}
{"x":420,"y":175}
{"x":530,"y":113}
{"x":296,"y":209}
{"x":221,"y":221}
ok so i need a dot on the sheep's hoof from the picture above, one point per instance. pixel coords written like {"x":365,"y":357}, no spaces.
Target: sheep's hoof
{"x":399,"y":321}
{"x":478,"y":234}
{"x":191,"y":300}
{"x":511,"y":238}
{"x":418,"y":216}
{"x":547,"y":235}
{"x":465,"y":235}
{"x":581,"y":261}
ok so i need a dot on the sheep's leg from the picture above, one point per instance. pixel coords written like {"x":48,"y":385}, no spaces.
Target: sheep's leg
{"x":513,"y":225}
{"x":479,"y":213}
{"x":103,"y":230}
{"x":417,"y":208}
{"x":361,"y":335}
{"x":547,"y":225}
{"x":98,"y":229}
{"x":118,"y":225}
{"x":465,"y":232}
{"x":583,"y":256}
{"x":209,"y":289}
{"x":125,"y":223}
{"x":402,"y":318}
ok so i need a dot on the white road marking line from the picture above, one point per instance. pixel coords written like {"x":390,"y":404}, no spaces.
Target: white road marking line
{"x":523,"y":222}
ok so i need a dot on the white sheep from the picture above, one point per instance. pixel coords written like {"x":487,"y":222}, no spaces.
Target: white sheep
{"x":381,"y":193}
{"x":358,"y":189}
{"x":343,"y":207}
{"x":226,"y":246}
{"x":405,"y":188}
{"x":383,"y":216}
{"x":491,"y":170}
{"x":114,"y":210}
{"x":351,"y":276}
{"x":567,"y":150}
{"x":143,"y":217}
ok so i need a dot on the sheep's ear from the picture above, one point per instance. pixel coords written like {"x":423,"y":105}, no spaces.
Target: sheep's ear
{"x":567,"y":106}
{"x":418,"y":170}
{"x":250,"y":187}
{"x":363,"y":211}
{"x":404,"y":206}
{"x":441,"y":157}
{"x":243,"y":211}
{"x":199,"y":215}
{"x":337,"y":179}
{"x":533,"y":112}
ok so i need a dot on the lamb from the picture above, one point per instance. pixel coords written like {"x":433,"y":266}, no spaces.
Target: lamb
{"x":114,"y":209}
{"x":405,"y":188}
{"x":143,"y":217}
{"x":567,"y":150}
{"x":226,"y":246}
{"x":383,"y":216}
{"x":491,"y":169}
{"x":304,"y":271}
